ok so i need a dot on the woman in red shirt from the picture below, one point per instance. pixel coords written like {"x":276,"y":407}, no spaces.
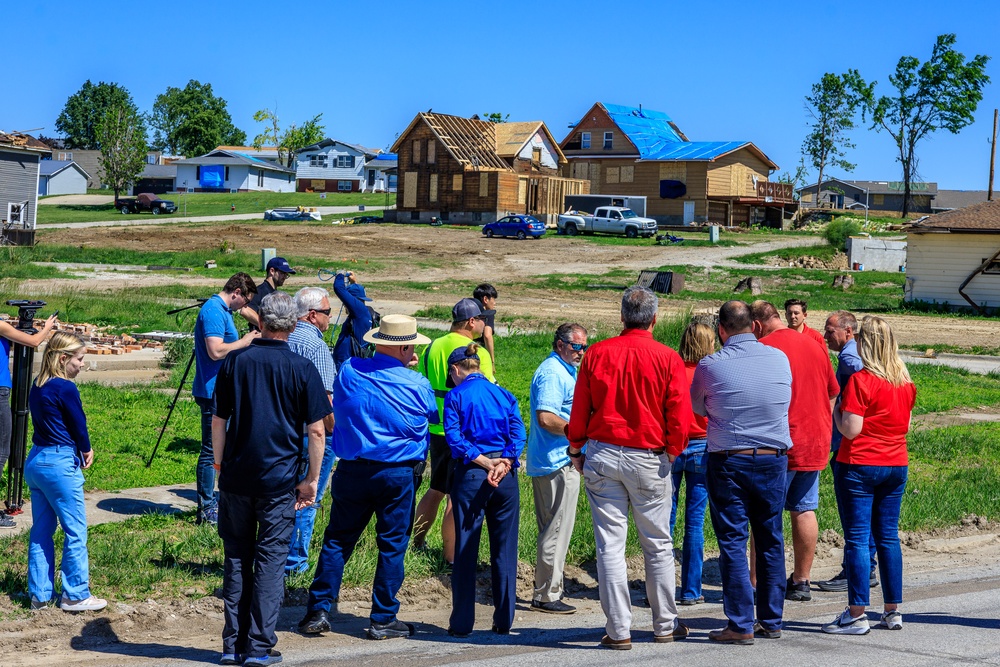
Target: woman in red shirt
{"x":874,"y":417}
{"x":697,"y":341}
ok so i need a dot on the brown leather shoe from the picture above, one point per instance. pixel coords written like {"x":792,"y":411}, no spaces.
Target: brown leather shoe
{"x":729,"y":636}
{"x":760,"y":631}
{"x":679,"y":632}
{"x":616,"y":644}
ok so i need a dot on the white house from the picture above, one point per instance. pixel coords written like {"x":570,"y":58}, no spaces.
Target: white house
{"x":954,"y":258}
{"x":380,"y":173}
{"x":61,"y":177}
{"x":230,"y":171}
{"x":331,"y":166}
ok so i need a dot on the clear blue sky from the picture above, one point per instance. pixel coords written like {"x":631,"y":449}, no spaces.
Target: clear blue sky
{"x":723,"y":70}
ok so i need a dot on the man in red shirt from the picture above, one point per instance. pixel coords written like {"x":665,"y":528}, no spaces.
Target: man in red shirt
{"x":810,"y":418}
{"x":795,"y":315}
{"x":632,"y":411}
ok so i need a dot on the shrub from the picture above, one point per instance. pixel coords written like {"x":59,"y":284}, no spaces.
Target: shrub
{"x":836,"y":232}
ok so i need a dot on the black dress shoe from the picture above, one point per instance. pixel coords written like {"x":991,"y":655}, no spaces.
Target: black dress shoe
{"x":315,"y":622}
{"x":501,"y":631}
{"x":554,"y":607}
{"x":460,"y":635}
{"x":390,"y":630}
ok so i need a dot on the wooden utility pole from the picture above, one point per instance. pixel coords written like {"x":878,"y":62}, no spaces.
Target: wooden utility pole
{"x":993,"y":155}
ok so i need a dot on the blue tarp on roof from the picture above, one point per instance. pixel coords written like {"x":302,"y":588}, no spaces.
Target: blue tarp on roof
{"x":386,"y":156}
{"x":655,"y":137}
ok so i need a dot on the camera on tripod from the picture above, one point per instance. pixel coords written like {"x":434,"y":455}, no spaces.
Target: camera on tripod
{"x":26,"y":309}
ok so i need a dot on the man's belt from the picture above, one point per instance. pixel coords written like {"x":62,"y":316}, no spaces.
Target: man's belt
{"x":762,"y":451}
{"x":372,"y":462}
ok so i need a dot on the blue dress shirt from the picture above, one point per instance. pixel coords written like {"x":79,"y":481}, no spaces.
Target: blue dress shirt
{"x":482,"y":418}
{"x":552,"y":391}
{"x":848,"y":363}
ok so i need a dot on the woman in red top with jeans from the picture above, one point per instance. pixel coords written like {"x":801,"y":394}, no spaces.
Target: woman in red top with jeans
{"x":874,"y":417}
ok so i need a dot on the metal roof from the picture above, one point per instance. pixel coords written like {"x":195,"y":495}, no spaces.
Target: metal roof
{"x":53,"y":167}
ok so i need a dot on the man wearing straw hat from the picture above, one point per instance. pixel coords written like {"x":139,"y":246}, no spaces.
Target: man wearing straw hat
{"x":382,"y":412}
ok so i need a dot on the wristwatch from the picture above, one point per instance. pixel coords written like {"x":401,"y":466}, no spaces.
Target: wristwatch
{"x":570,"y":454}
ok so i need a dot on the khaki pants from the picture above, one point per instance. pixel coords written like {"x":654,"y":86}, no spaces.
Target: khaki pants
{"x":617,"y":478}
{"x":556,"y":496}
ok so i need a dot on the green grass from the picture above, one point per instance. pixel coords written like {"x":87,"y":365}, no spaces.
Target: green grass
{"x":940,"y":388}
{"x":824,"y":252}
{"x":200,"y":204}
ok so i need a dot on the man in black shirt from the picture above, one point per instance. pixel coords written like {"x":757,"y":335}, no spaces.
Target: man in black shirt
{"x":266,"y":396}
{"x":278,"y":271}
{"x":486,"y":295}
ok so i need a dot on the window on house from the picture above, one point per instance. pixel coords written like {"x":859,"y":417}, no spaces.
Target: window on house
{"x":431,"y":151}
{"x":151,"y":158}
{"x":456,"y":182}
{"x":416,"y":151}
{"x":66,"y":156}
{"x":260,"y":178}
{"x":227,"y":173}
{"x":585,"y":140}
{"x":609,"y":138}
{"x":536,"y":155}
{"x":317,"y":161}
{"x":994,"y":266}
{"x":414,"y":215}
{"x":344,"y":186}
{"x":628,"y":174}
{"x":432,"y":193}
{"x":477,"y":216}
{"x":197,"y":172}
{"x":345,"y":162}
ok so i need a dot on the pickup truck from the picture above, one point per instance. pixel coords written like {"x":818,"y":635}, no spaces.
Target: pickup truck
{"x":144,"y":202}
{"x":609,"y":220}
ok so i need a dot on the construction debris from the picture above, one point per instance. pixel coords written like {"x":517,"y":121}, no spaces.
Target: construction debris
{"x":100,"y":342}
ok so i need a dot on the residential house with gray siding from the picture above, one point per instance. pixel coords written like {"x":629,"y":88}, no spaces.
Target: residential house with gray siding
{"x":876,"y":195}
{"x":20,"y":157}
{"x":62,"y":177}
{"x":229,"y":171}
{"x":332,"y":166}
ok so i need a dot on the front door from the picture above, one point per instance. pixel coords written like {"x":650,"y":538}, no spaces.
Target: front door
{"x":371,"y":178}
{"x":688,"y":212}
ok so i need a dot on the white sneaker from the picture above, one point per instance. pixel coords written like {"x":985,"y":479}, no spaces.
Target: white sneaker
{"x":90,"y":604}
{"x":845,"y":624}
{"x":37,"y":604}
{"x":891,"y":620}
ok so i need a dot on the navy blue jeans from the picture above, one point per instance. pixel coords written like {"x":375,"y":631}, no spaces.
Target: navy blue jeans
{"x":691,"y":465}
{"x":749,"y":491}
{"x":872,"y":496}
{"x":840,"y":512}
{"x":472,"y":500}
{"x":360,"y":490}
{"x":205,"y":473}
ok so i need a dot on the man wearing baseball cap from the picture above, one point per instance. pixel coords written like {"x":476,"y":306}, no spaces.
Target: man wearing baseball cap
{"x":382,"y":411}
{"x":278,"y":271}
{"x":351,"y":341}
{"x":468,"y":320}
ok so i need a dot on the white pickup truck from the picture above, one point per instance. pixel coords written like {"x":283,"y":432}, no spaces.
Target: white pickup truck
{"x":609,"y":220}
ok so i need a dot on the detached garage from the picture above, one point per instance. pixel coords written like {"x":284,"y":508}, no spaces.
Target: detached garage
{"x":62,"y":177}
{"x":157,"y":179}
{"x":953,"y":258}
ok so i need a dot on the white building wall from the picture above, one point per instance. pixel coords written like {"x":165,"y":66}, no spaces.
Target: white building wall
{"x":67,"y":182}
{"x":303,"y":170}
{"x":241,"y":177}
{"x":549,"y":158}
{"x":938,"y":263}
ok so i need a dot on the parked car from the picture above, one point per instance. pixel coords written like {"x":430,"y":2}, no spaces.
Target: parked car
{"x":609,"y":220}
{"x":292,"y":213}
{"x":146,"y":201}
{"x":521,"y":226}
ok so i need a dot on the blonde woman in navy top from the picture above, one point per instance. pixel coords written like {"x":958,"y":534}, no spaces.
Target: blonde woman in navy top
{"x":54,"y":473}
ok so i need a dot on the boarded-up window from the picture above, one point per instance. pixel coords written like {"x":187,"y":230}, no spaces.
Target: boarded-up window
{"x":628,"y":174}
{"x":318,"y":184}
{"x":673,"y":171}
{"x":737,"y":176}
{"x":456,"y":182}
{"x":595,"y":178}
{"x":484,"y":185}
{"x":431,"y":151}
{"x":580,"y":170}
{"x":807,"y":197}
{"x":410,"y":189}
{"x":432,"y":193}
{"x":536,"y":155}
{"x":878,"y":200}
{"x":416,"y":151}
{"x":611,"y":175}
{"x":522,"y":190}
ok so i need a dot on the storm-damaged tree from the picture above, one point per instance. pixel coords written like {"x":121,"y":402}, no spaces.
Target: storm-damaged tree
{"x":940,"y":94}
{"x":832,"y":107}
{"x":291,"y":140}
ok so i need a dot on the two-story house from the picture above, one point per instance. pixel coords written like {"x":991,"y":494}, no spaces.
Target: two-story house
{"x":625,"y":150}
{"x":331,"y":166}
{"x":20,"y":157}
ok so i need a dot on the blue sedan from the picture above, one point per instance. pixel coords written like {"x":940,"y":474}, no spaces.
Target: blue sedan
{"x":521,"y":226}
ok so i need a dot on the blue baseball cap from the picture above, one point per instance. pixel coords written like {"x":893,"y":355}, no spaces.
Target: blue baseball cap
{"x":459,"y":355}
{"x":358,"y":292}
{"x":279,"y":263}
{"x":466,"y":309}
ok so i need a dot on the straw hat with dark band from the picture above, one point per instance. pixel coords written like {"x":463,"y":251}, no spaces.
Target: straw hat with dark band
{"x":396,"y":330}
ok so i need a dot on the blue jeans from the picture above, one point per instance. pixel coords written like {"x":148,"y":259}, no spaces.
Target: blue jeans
{"x":750,"y":490}
{"x":208,"y":498}
{"x":872,"y":496}
{"x":359,"y":490}
{"x":298,"y":552}
{"x":840,"y":512}
{"x":473,"y":500}
{"x":691,"y":464}
{"x":55,"y":479}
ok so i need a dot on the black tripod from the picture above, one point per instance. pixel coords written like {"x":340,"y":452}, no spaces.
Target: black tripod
{"x":180,"y":387}
{"x":23,"y":358}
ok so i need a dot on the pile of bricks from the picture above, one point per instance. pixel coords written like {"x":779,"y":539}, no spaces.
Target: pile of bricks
{"x":98,"y":342}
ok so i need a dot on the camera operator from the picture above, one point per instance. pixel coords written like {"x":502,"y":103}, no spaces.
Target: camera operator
{"x":351,"y":341}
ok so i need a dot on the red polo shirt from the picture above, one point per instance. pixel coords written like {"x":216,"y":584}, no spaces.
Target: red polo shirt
{"x":632,"y":391}
{"x":886,"y":411}
{"x":814,"y":383}
{"x":815,"y":335}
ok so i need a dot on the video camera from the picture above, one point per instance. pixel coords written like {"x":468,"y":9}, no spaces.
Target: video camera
{"x":26,"y":309}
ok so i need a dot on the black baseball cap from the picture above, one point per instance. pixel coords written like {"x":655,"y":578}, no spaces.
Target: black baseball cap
{"x":279,"y":263}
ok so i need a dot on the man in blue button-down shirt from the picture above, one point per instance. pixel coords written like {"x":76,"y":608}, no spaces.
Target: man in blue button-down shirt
{"x":744,"y":389}
{"x":554,"y":480}
{"x":382,"y":411}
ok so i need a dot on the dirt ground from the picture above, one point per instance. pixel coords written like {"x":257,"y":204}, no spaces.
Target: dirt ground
{"x":402,"y":253}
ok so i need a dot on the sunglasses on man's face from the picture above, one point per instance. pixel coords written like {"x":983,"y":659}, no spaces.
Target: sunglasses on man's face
{"x":576,"y":347}
{"x":324,"y":311}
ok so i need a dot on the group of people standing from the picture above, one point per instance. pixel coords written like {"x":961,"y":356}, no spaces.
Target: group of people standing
{"x":748,"y":425}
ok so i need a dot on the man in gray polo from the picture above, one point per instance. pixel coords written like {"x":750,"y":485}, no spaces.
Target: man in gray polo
{"x":555,"y":482}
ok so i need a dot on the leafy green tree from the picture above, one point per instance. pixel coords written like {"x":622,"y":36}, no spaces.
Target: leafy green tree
{"x":121,"y":134}
{"x":832,"y":106}
{"x":85,"y":109}
{"x":192,"y":121}
{"x":940,"y":94}
{"x":495,"y":117}
{"x":291,"y":140}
